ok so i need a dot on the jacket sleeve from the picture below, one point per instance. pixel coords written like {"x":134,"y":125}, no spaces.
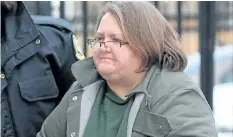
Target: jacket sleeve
{"x":188,"y":113}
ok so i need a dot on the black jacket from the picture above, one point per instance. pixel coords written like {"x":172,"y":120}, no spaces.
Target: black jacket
{"x":35,"y":72}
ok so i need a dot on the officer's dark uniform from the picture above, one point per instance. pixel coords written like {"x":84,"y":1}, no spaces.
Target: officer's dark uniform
{"x":35,"y":72}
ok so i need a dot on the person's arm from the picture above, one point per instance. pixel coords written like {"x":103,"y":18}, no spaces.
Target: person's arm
{"x":188,"y":113}
{"x":55,"y":124}
{"x":65,"y":55}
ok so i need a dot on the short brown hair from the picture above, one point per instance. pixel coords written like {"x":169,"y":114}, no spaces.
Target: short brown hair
{"x":148,"y":34}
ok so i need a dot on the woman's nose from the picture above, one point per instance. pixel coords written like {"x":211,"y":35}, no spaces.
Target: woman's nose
{"x":105,"y":47}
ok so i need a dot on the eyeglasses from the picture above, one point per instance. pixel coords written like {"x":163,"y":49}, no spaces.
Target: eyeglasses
{"x":94,"y":43}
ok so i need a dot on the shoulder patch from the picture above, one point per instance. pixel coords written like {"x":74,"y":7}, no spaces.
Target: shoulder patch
{"x":78,"y":52}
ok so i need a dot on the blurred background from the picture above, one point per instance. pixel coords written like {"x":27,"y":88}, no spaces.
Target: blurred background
{"x":206,"y":29}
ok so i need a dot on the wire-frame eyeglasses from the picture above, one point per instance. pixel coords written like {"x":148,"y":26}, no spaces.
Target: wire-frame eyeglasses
{"x":94,"y":43}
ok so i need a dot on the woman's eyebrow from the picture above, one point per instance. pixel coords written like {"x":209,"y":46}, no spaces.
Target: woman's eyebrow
{"x":99,"y":34}
{"x":112,"y":35}
{"x":116,"y":35}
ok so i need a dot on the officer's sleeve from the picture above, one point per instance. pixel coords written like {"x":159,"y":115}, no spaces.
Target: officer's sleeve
{"x":188,"y":113}
{"x":65,"y":54}
{"x":55,"y":124}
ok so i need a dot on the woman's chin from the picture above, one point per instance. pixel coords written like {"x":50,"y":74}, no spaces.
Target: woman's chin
{"x":106,"y":69}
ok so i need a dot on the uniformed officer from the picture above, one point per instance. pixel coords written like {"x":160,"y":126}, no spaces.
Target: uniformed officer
{"x":35,"y":69}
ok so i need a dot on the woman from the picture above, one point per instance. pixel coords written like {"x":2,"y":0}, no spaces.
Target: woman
{"x":134,"y":85}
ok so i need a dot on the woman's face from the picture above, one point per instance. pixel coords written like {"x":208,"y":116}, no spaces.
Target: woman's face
{"x":114,"y":62}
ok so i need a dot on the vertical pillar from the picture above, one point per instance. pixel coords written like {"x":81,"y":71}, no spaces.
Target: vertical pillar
{"x":207,"y":32}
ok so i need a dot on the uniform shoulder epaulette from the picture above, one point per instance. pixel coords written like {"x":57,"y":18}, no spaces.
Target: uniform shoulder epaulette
{"x":49,"y":20}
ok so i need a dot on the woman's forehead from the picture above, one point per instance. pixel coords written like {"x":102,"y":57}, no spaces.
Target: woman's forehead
{"x":109,"y":29}
{"x":109,"y":22}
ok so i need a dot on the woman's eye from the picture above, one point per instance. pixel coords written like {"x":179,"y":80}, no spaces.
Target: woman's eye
{"x":99,"y":39}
